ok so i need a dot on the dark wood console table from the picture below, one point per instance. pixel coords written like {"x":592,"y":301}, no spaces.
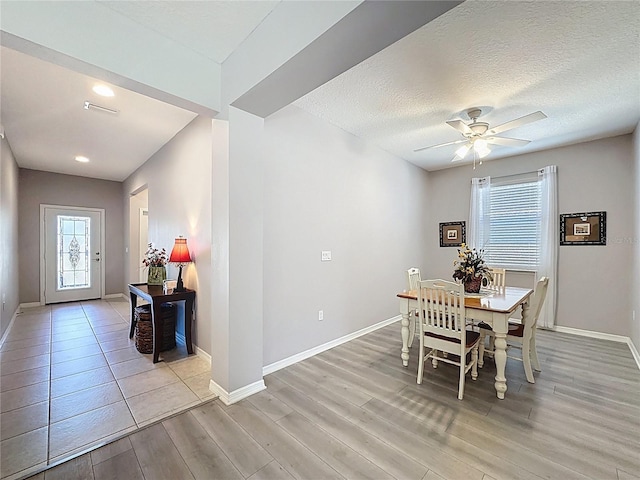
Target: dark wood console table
{"x":156,"y":297}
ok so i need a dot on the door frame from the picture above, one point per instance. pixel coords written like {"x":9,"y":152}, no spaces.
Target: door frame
{"x":103,"y":237}
{"x":142,"y":212}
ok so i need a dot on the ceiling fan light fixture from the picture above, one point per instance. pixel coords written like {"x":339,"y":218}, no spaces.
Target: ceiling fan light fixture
{"x":482,"y":152}
{"x":481,"y":147}
{"x":81,"y":159}
{"x":463,"y":150}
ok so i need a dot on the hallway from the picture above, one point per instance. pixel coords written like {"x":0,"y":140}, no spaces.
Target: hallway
{"x":72,"y":379}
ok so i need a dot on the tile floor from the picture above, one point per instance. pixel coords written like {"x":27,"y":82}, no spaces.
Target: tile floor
{"x":70,"y":379}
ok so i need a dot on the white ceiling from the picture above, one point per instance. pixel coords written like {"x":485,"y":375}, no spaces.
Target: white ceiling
{"x":43,"y":104}
{"x":47,"y":125}
{"x":213,"y":29}
{"x":578,"y":62}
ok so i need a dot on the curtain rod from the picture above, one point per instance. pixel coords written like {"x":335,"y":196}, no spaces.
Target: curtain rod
{"x":537,"y":172}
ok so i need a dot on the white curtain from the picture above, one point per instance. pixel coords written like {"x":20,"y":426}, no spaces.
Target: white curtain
{"x":549,"y":240}
{"x":478,"y":231}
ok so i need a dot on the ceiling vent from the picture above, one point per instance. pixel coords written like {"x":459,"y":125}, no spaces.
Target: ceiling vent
{"x":88,"y":105}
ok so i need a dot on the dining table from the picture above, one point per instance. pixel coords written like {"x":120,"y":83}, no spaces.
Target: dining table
{"x":493,"y":307}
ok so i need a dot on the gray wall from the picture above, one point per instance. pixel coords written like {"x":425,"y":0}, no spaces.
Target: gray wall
{"x":594,"y":282}
{"x":178,"y":178}
{"x":9,"y":274}
{"x":635,"y":296}
{"x":37,"y":188}
{"x":328,"y":190}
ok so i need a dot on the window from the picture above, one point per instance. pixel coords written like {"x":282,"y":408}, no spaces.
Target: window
{"x":515,"y":217}
{"x":74,"y":239}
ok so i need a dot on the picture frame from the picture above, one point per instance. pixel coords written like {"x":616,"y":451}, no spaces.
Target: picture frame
{"x":588,"y":228}
{"x":452,"y":234}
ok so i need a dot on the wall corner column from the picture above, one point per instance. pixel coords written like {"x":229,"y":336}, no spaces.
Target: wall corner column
{"x":237,"y":249}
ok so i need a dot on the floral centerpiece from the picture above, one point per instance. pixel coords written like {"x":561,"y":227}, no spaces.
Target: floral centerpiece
{"x":471,"y":269}
{"x":155,"y":259}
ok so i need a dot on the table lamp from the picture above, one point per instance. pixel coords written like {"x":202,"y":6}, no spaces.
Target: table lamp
{"x":180,"y":255}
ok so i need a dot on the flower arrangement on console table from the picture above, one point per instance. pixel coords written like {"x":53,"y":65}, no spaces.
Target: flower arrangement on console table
{"x":471,"y":269}
{"x":155,"y":260}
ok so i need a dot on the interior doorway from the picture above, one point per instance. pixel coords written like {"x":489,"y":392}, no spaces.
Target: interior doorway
{"x":138,"y":234}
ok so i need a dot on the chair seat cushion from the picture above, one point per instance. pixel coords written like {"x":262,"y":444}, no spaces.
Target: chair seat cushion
{"x":472,"y":337}
{"x":516,"y":329}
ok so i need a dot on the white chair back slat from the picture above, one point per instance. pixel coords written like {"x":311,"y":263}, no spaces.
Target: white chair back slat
{"x":441,"y":307}
{"x":499,"y":277}
{"x":413,"y":277}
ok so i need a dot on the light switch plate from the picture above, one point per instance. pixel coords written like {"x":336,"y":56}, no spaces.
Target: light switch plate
{"x":326,"y":255}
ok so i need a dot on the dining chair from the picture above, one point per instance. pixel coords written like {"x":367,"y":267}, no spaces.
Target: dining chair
{"x":498,"y":275}
{"x":522,"y":334}
{"x":413,"y":277}
{"x":441,"y":315}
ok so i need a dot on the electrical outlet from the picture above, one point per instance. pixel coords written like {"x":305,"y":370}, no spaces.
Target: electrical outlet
{"x":320,"y":315}
{"x":326,"y":255}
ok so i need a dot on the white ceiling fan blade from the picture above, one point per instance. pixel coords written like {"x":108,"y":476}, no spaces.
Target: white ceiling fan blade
{"x":460,"y":126}
{"x":456,"y":159}
{"x":518,"y":122}
{"x":507,"y":142}
{"x":441,"y":145}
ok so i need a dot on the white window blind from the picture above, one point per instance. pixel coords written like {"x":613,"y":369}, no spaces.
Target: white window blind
{"x":515,"y":220}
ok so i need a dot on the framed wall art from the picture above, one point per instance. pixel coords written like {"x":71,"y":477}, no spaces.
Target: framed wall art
{"x":583,"y":228}
{"x":452,"y":234}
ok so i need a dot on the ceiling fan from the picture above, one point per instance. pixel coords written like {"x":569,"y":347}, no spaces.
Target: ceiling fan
{"x":478,"y":136}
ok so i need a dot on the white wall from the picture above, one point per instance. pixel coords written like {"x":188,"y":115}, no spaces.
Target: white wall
{"x":328,"y":190}
{"x":178,"y":178}
{"x":9,"y":273}
{"x":594,"y":282}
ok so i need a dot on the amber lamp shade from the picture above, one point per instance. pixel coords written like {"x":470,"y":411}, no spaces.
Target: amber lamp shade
{"x":180,"y":255}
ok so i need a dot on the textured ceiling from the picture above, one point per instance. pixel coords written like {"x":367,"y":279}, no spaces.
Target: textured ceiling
{"x":578,"y":62}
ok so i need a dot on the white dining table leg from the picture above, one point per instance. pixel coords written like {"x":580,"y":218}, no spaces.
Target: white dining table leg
{"x":404,"y":331}
{"x":500,"y":327}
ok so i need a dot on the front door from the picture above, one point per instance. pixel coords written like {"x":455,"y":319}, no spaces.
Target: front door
{"x":72,"y":254}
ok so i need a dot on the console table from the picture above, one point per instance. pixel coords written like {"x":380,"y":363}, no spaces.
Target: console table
{"x":156,"y":296}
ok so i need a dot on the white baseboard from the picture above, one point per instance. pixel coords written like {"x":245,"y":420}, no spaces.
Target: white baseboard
{"x":601,"y":336}
{"x":237,"y":395}
{"x":634,"y":352}
{"x":115,"y":295}
{"x":29,"y":305}
{"x":274,"y":367}
{"x":231,"y":397}
{"x":6,"y":332}
{"x":199,"y":352}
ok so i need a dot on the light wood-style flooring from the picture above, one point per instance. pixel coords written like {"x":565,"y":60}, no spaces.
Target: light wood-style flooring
{"x":354,"y":412}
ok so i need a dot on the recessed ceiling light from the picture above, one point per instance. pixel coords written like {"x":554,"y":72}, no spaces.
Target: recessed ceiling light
{"x":82,"y":159}
{"x":103,"y":90}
